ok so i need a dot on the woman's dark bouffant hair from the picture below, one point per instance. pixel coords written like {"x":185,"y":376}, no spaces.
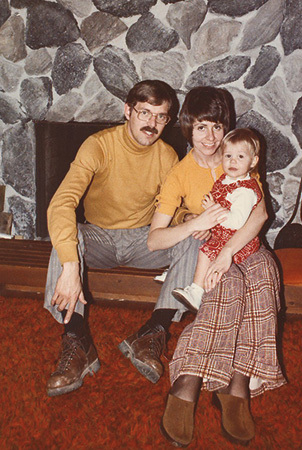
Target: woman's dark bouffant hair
{"x":154,"y":92}
{"x":207,"y":103}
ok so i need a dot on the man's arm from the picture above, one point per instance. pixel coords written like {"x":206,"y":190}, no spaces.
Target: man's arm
{"x":63,"y":228}
{"x":68,"y":289}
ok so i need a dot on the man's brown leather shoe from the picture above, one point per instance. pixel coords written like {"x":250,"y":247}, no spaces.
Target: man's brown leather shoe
{"x":144,"y":350}
{"x":74,"y":364}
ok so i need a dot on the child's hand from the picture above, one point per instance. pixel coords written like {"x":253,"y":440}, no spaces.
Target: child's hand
{"x":208,"y":201}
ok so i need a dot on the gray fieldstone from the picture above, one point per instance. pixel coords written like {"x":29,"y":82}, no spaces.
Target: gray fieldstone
{"x":50,"y":25}
{"x":166,"y":2}
{"x":213,"y":39}
{"x":219,"y":72}
{"x":275,"y":205}
{"x":296,"y":170}
{"x":70,"y":67}
{"x":4,"y":11}
{"x":276,"y":99}
{"x":23,"y":3}
{"x":292,"y":67}
{"x":291,"y":35}
{"x":276,"y":224}
{"x":65,"y":108}
{"x":101,"y":28}
{"x":38,"y":62}
{"x":275,"y":181}
{"x":24,"y":213}
{"x":150,"y":34}
{"x":264,"y":26}
{"x":264,"y":67}
{"x":297,"y":121}
{"x":169,"y":67}
{"x":10,"y":109}
{"x":12,"y":45}
{"x":243,"y":101}
{"x":279,"y":152}
{"x":291,"y":189}
{"x":186,"y":17}
{"x":80,"y":8}
{"x":104,"y":107}
{"x":124,"y":8}
{"x":92,"y":85}
{"x":10,"y":75}
{"x":2,"y":128}
{"x":18,"y":159}
{"x":36,"y":96}
{"x":234,"y":8}
{"x":116,"y":71}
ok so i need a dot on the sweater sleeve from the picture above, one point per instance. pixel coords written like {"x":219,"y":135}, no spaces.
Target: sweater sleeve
{"x":169,"y":198}
{"x":61,"y":215}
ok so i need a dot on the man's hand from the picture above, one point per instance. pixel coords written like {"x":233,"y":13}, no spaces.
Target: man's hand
{"x":68,"y":289}
{"x":217,"y":268}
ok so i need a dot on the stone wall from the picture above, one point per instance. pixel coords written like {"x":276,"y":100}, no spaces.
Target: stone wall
{"x":76,"y":60}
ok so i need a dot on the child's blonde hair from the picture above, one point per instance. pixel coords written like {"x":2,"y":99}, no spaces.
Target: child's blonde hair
{"x":242,"y":136}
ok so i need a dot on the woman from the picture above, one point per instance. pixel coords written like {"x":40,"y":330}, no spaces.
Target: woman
{"x":230,"y":348}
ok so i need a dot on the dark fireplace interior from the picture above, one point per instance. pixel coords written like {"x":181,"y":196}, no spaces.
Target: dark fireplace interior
{"x":56,"y":146}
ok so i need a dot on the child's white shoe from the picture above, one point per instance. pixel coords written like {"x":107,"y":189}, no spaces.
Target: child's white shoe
{"x":162,"y":277}
{"x":190,"y":296}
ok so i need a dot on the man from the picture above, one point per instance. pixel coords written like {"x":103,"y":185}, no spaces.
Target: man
{"x":119,"y":172}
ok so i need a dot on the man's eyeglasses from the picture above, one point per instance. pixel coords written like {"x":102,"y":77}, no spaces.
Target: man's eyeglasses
{"x":146,"y":115}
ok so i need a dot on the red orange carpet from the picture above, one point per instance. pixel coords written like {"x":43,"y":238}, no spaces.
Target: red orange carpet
{"x":118,"y":408}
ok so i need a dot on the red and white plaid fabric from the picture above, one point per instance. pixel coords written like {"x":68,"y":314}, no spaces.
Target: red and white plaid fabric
{"x":235,"y":329}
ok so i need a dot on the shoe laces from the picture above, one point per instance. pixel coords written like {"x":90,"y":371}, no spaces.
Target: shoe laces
{"x":70,"y":344}
{"x":158,"y":343}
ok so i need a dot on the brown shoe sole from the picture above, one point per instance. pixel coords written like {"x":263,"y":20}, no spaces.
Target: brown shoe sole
{"x":91,"y":369}
{"x":169,"y":438}
{"x":144,"y":369}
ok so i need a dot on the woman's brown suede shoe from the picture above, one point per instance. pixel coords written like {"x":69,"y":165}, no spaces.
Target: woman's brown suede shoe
{"x":237,"y":422}
{"x":177,"y":424}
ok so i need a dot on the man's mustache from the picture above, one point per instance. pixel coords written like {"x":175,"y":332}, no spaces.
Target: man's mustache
{"x":151,"y":130}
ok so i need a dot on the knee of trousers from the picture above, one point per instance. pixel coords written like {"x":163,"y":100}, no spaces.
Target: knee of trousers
{"x":189,"y":247}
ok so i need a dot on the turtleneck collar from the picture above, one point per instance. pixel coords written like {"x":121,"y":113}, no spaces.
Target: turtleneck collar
{"x":132,"y":145}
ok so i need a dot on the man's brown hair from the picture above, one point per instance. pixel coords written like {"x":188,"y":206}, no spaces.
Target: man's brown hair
{"x":154,"y":92}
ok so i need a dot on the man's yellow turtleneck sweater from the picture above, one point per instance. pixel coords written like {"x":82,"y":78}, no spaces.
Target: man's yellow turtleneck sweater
{"x":120,"y":179}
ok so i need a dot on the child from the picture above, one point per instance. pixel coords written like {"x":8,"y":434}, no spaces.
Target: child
{"x":237,"y":191}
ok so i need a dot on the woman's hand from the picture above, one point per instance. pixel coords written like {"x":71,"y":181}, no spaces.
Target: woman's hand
{"x":208,"y":201}
{"x":200,"y":235}
{"x":162,"y":236}
{"x":189,"y":216}
{"x":217,"y":268}
{"x":212,"y":216}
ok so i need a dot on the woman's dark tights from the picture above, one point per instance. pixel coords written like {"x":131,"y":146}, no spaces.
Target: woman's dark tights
{"x":187,"y":387}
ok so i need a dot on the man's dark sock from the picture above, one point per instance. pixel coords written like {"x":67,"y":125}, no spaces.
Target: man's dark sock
{"x":161,"y":317}
{"x":77,"y":325}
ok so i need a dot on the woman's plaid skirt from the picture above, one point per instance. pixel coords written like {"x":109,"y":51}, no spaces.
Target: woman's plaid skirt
{"x":235,"y":329}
